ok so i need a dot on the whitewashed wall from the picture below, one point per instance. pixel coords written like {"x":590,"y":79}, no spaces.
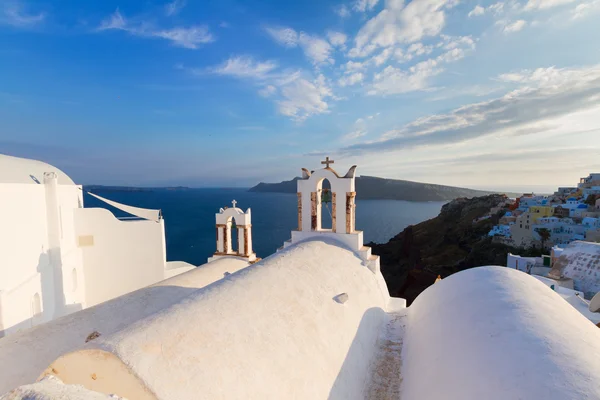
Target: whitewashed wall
{"x":23,"y":252}
{"x":124,"y":256}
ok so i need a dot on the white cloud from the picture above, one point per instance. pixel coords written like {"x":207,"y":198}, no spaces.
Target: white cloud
{"x":337,"y":39}
{"x":359,"y":129}
{"x":382,"y":57}
{"x":15,"y":14}
{"x":419,"y":49}
{"x":584,"y":9}
{"x":303,"y":98}
{"x":514,"y":26}
{"x":544,"y":4}
{"x":478,"y":10}
{"x":267,"y":91}
{"x":190,"y":38}
{"x":364,"y":5}
{"x":342,"y":11}
{"x":399,"y":24}
{"x":351,"y":79}
{"x":224,"y":24}
{"x":396,"y":81}
{"x":317,"y":49}
{"x":496,"y":8}
{"x":548,"y":94}
{"x":296,"y":94}
{"x":284,"y":36}
{"x":245,"y":67}
{"x":542,"y":76}
{"x":352,"y":66}
{"x":174,"y":7}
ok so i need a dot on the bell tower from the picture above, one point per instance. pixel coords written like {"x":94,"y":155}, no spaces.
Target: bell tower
{"x":343,"y":210}
{"x":234,"y":218}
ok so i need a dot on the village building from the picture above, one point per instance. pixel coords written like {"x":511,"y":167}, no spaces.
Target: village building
{"x":58,"y":257}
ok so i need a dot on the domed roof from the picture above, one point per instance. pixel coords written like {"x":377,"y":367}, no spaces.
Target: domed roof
{"x":23,"y":170}
{"x":582,"y":206}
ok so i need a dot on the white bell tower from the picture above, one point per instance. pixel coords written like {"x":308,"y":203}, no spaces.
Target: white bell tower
{"x":225,"y":219}
{"x":343,"y":211}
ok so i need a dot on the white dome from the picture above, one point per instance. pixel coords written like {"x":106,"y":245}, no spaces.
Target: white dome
{"x":24,"y":170}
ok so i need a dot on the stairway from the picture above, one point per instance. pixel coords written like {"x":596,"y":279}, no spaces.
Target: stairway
{"x":386,"y":379}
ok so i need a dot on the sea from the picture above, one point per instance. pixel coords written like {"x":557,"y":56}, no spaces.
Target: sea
{"x":190,"y":217}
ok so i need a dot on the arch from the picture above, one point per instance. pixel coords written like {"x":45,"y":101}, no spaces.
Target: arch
{"x":74,"y":281}
{"x":326,"y":204}
{"x":36,"y":305}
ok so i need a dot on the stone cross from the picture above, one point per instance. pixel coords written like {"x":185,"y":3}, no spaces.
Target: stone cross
{"x":234,"y":203}
{"x":327,"y":162}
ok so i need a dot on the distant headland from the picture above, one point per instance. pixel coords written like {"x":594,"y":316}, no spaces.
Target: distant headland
{"x":370,"y":187}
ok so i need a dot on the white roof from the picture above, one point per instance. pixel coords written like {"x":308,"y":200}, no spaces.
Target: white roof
{"x":495,"y":333}
{"x":29,"y":352}
{"x":23,"y":170}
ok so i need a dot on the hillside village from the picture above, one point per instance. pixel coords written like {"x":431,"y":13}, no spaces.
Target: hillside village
{"x":568,"y":215}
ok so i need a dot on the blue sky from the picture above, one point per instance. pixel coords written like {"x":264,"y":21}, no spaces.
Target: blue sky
{"x":229,"y":93}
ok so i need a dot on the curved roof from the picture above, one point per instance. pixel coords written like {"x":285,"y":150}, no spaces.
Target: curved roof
{"x":42,"y":344}
{"x":496,"y":333}
{"x":582,"y":206}
{"x":24,"y":170}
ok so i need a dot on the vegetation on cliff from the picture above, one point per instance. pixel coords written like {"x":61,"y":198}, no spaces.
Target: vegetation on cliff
{"x":448,"y":243}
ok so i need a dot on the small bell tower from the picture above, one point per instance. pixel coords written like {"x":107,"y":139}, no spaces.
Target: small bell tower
{"x":229,"y":218}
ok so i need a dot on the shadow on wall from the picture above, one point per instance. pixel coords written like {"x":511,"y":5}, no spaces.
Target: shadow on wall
{"x":353,"y":379}
{"x":45,"y":304}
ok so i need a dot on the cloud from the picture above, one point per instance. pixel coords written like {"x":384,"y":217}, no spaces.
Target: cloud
{"x":337,"y":39}
{"x":351,"y":79}
{"x":545,"y":4}
{"x":398,"y":24}
{"x":174,"y":7}
{"x":538,"y":103}
{"x":303,"y":98}
{"x":352,"y":66}
{"x":359,"y":129}
{"x":478,"y":10}
{"x":190,"y":38}
{"x":382,"y":57}
{"x":317,"y":49}
{"x":584,"y":9}
{"x":418,"y":49}
{"x":267,"y":91}
{"x":245,"y":67}
{"x":394,"y":80}
{"x":284,"y":36}
{"x":342,"y":11}
{"x":15,"y":14}
{"x":514,"y":26}
{"x":364,"y":5}
{"x":297,"y":95}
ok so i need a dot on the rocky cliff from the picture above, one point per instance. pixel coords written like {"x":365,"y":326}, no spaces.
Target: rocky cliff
{"x":448,"y":243}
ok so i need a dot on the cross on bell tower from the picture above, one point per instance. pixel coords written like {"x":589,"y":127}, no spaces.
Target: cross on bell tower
{"x":327,"y":162}
{"x":234,"y":203}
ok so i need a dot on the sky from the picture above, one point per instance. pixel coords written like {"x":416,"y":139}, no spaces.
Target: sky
{"x":495,"y":95}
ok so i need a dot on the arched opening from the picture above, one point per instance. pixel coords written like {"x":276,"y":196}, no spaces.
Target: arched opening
{"x":325,"y":203}
{"x":36,"y":305}
{"x":233,"y":235}
{"x":74,"y":280}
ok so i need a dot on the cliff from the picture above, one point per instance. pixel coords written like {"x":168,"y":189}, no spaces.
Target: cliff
{"x":448,"y":243}
{"x":369,"y":187}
